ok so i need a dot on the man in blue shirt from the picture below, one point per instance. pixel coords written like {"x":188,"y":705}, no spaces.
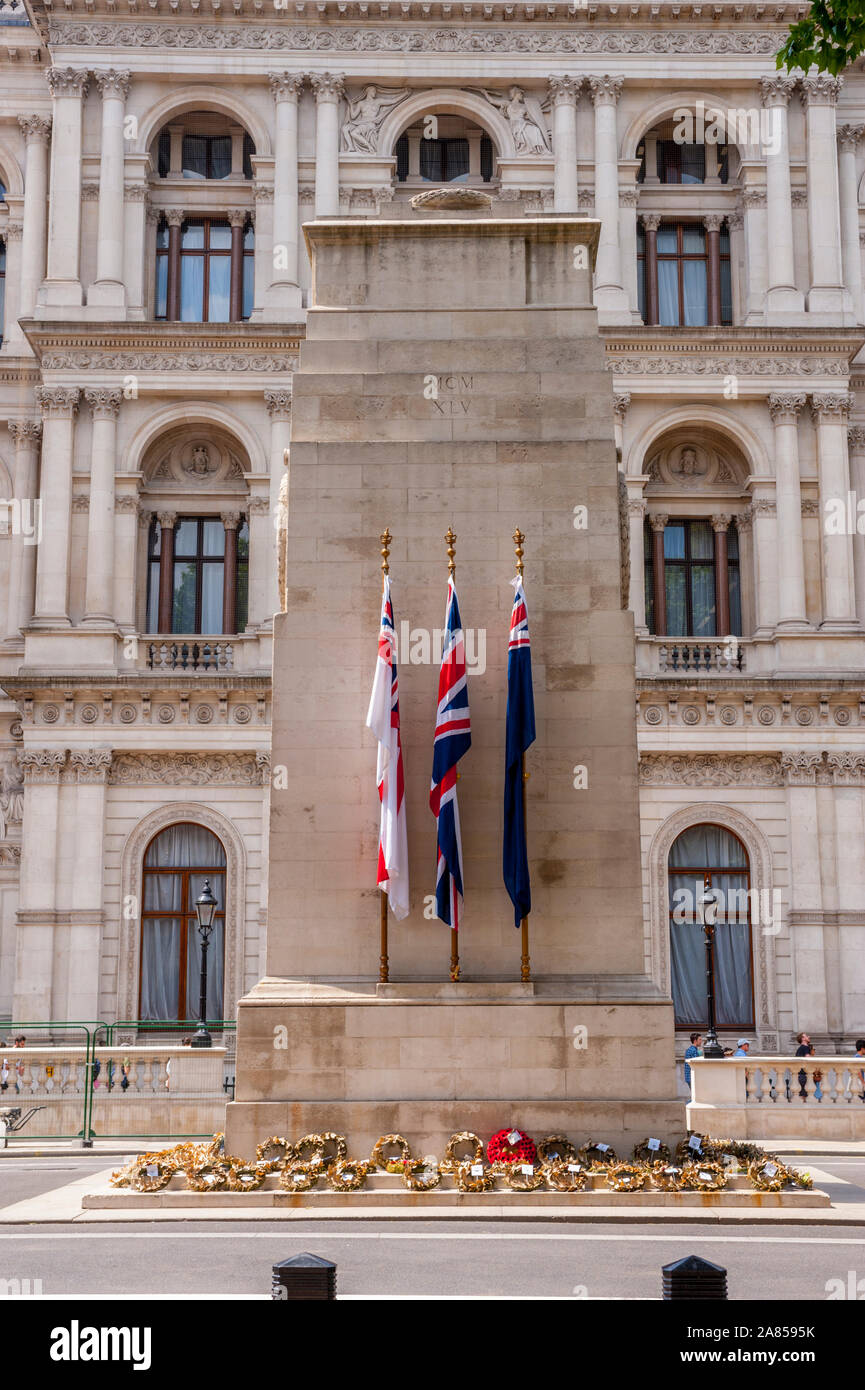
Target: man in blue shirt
{"x":695,"y":1050}
{"x":742,"y":1049}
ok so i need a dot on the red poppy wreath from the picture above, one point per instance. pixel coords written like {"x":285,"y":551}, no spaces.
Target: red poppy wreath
{"x":511,"y":1146}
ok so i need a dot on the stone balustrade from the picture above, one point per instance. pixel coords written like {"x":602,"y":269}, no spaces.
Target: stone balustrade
{"x":672,"y":656}
{"x":168,"y":1090}
{"x":778,"y":1097}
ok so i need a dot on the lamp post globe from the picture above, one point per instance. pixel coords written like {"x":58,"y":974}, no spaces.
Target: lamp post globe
{"x":205,"y":910}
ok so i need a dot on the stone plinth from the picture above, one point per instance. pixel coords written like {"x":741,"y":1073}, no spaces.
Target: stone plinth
{"x":453,"y":375}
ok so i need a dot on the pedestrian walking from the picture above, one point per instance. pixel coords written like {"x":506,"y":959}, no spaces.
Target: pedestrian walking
{"x":695,"y":1049}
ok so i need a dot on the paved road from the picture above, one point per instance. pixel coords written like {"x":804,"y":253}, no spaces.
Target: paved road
{"x":417,"y":1257}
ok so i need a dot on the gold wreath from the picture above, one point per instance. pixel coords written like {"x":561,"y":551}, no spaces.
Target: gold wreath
{"x":524,"y":1182}
{"x":318,"y":1144}
{"x":139,"y":1179}
{"x":263,"y":1153}
{"x":643,"y":1154}
{"x":451,"y":1163}
{"x":626,"y":1177}
{"x":246,"y":1177}
{"x":592,"y":1157}
{"x":390,"y":1164}
{"x":761,"y":1180}
{"x":685,"y":1154}
{"x":560,"y":1177}
{"x":207,"y":1177}
{"x":473,"y":1182}
{"x":666,"y":1177}
{"x":299,"y":1177}
{"x":346,"y":1176}
{"x":693,"y":1175}
{"x":556,"y":1149}
{"x":421,"y":1177}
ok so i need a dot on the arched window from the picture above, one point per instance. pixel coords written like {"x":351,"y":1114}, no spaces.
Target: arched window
{"x":203,"y":145}
{"x":453,"y":150}
{"x":671,"y":153}
{"x":710,"y":857}
{"x":176,"y":863}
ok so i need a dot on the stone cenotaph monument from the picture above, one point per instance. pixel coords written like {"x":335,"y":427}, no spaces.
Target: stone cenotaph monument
{"x":453,"y":376}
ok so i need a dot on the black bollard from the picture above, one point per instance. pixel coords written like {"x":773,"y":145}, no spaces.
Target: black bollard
{"x":304,"y":1276}
{"x":693,"y":1278}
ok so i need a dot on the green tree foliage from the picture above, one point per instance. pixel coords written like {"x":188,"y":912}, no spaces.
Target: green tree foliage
{"x":830,"y":37}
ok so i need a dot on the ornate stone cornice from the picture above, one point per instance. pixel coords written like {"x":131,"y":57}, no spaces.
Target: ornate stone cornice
{"x":67,"y":82}
{"x":35,"y":127}
{"x":278,"y":404}
{"x":104,"y":401}
{"x":23,"y":431}
{"x":777,"y":90}
{"x":112,"y":82}
{"x":171,"y":361}
{"x":784,"y":406}
{"x":286,"y":86}
{"x":57,"y":402}
{"x":710,"y":770}
{"x":330,"y":39}
{"x":821,"y":90}
{"x":180,"y":769}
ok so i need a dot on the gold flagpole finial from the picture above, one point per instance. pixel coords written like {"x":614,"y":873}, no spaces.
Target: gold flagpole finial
{"x":518,"y":547}
{"x":452,"y":564}
{"x":385,"y":539}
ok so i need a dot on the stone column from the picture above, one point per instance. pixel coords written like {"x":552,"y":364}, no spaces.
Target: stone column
{"x":59,"y":405}
{"x":82,"y":936}
{"x":231,"y":521}
{"x":720,"y":527}
{"x":756,"y":259}
{"x":629,"y":199}
{"x":328,"y":89}
{"x":712,"y":223}
{"x":279,"y":409}
{"x":37,"y":884}
{"x":609,"y":292}
{"x":782,"y":296}
{"x":25,"y":536}
{"x":851,"y":253}
{"x":564,"y":93}
{"x":784,"y":407}
{"x":736,"y":222}
{"x":263,"y":195}
{"x":856,"y":454}
{"x":263,"y":601}
{"x":806,"y":893}
{"x":637,"y":594}
{"x":826,"y":294}
{"x":62,"y":285}
{"x":13,"y":339}
{"x":36,"y":131}
{"x":651,"y":223}
{"x":830,"y":411}
{"x":108,"y":288}
{"x":175,"y":218}
{"x":744,"y":523}
{"x":237,"y":218}
{"x":99,"y":592}
{"x":138,"y":264}
{"x":284,"y":291}
{"x":657,"y":521}
{"x":847,"y":770}
{"x":765,"y":555}
{"x":167,"y":522}
{"x":126,"y":560}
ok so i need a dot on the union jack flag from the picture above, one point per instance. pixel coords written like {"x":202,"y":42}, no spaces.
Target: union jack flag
{"x":383,"y":718}
{"x":519,"y":734}
{"x":453,"y":738}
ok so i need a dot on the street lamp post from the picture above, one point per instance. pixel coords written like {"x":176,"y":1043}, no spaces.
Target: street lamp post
{"x":708,"y":917}
{"x":205,"y":908}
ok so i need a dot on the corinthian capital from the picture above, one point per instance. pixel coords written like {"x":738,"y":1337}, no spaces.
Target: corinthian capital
{"x":328,"y":86}
{"x":112,"y":82}
{"x":57,"y":402}
{"x":606,"y":89}
{"x":35,"y":127}
{"x":850,"y":135}
{"x":831,"y":405}
{"x":67,"y":82}
{"x":784,"y":406}
{"x":776,"y":91}
{"x":25,"y":431}
{"x":104,"y":401}
{"x":286,"y":86}
{"x":564,"y":89}
{"x":821,"y":90}
{"x":278,"y":404}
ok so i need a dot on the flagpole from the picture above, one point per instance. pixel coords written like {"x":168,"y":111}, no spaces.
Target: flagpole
{"x":525,"y":966}
{"x":383,"y":968}
{"x":452,"y":569}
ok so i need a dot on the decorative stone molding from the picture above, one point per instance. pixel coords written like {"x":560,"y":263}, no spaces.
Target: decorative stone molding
{"x":23,"y":431}
{"x":259,"y":504}
{"x":831,"y":405}
{"x":681,"y":364}
{"x":80,"y":502}
{"x":637,"y":507}
{"x":776,"y":90}
{"x":387,"y":39}
{"x":855,"y":438}
{"x":763,"y":506}
{"x":800,"y":767}
{"x":621,"y":402}
{"x":90,"y":764}
{"x":735,"y":219}
{"x":784,"y":406}
{"x":586,"y":199}
{"x":262,"y":192}
{"x":124,"y":502}
{"x":810,"y":506}
{"x":754,"y":197}
{"x":231,"y":520}
{"x":104,"y":401}
{"x":13,"y":231}
{"x":181,"y":769}
{"x":170,"y":361}
{"x":651,"y":221}
{"x":821,"y":90}
{"x":35,"y":127}
{"x":799,"y":197}
{"x":628,"y":198}
{"x":41,"y":764}
{"x":90,"y":192}
{"x":67,"y":82}
{"x":847,"y":767}
{"x":57,"y":402}
{"x":112,"y":82}
{"x":278,"y":404}
{"x":136,"y":193}
{"x":237,"y":217}
{"x":286,"y":86}
{"x":710,"y":770}
{"x":744,"y":520}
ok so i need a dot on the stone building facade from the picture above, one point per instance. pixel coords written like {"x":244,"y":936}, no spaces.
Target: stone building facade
{"x":156,"y":169}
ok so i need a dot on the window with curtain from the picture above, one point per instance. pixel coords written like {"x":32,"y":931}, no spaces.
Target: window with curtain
{"x":710,"y":857}
{"x":176,"y":863}
{"x":205,"y":271}
{"x":198,"y":576}
{"x":690,"y":579}
{"x":445,"y":160}
{"x":682,"y":250}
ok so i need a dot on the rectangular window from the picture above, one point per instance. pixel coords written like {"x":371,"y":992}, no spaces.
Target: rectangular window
{"x":444,"y":161}
{"x":205,"y":271}
{"x":690,"y":579}
{"x":2,"y":287}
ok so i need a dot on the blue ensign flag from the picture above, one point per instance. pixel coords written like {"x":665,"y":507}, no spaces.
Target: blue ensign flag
{"x":519,"y":735}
